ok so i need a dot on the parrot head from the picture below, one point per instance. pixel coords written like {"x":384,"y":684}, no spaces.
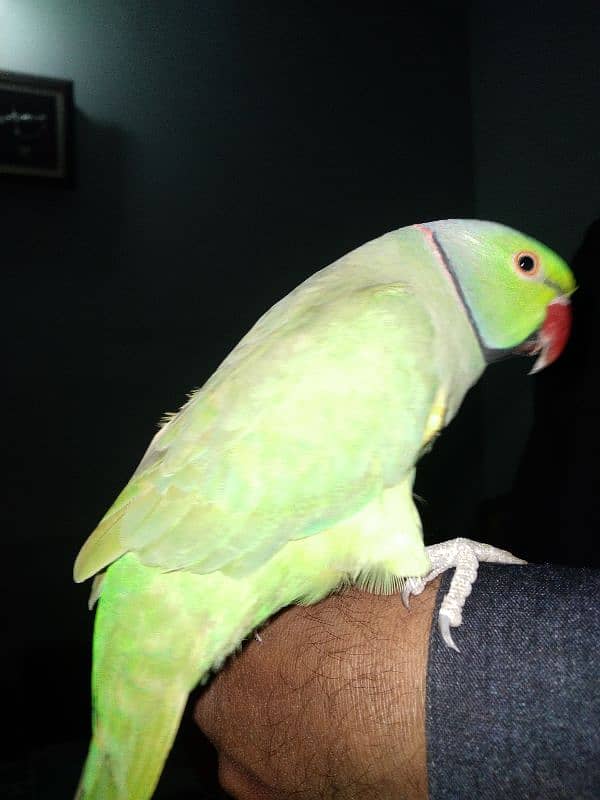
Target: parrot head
{"x":514,"y":289}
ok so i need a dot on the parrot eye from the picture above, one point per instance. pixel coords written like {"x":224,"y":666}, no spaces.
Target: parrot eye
{"x":527,"y":264}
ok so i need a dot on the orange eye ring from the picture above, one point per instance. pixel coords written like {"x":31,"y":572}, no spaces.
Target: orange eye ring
{"x":527,"y":264}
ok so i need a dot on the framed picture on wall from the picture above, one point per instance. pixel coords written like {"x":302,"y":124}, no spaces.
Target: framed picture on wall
{"x":36,"y":127}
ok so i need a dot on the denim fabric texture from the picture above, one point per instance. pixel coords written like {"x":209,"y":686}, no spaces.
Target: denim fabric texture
{"x":516,"y":714}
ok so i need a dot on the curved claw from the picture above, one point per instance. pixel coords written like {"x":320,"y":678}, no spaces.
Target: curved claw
{"x":444,"y":625}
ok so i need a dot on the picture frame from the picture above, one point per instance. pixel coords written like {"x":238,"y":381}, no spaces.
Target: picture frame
{"x":36,"y":129}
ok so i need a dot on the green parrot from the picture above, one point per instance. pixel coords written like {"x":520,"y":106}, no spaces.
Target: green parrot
{"x":290,"y":472}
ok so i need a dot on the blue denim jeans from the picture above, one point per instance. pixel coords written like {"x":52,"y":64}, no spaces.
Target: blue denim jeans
{"x":516,"y":714}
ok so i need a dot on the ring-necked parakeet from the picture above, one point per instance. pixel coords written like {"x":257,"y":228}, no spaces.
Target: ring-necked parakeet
{"x":290,"y":471}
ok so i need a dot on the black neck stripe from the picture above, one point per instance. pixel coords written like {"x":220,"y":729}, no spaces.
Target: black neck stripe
{"x":489,"y":353}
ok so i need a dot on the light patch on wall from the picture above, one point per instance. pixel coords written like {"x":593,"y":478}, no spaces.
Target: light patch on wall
{"x":34,"y":38}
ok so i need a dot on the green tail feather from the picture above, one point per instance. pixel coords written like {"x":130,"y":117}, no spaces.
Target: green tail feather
{"x":149,"y":653}
{"x":132,"y":774}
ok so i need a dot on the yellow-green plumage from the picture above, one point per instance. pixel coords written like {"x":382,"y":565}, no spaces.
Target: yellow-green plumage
{"x":287,"y":473}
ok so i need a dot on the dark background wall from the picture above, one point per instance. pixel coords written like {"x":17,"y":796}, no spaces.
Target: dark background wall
{"x":226,"y":151}
{"x":535,"y":84}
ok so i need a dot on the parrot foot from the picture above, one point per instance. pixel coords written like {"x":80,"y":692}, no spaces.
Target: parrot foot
{"x":464,"y":555}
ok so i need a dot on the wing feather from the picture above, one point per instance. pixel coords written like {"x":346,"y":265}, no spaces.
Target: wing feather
{"x":302,"y":425}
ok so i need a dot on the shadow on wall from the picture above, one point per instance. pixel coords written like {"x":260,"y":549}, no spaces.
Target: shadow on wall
{"x":554,"y":507}
{"x":61,"y":253}
{"x":101,"y":182}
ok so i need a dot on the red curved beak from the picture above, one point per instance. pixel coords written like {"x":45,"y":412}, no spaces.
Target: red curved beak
{"x":552,"y":336}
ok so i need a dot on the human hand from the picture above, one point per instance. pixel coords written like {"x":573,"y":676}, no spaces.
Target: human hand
{"x":331,"y":703}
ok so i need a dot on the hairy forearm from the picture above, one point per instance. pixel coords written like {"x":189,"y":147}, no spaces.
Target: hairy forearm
{"x":330,"y":703}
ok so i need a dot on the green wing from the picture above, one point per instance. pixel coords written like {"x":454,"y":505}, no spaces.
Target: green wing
{"x":318,"y":409}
